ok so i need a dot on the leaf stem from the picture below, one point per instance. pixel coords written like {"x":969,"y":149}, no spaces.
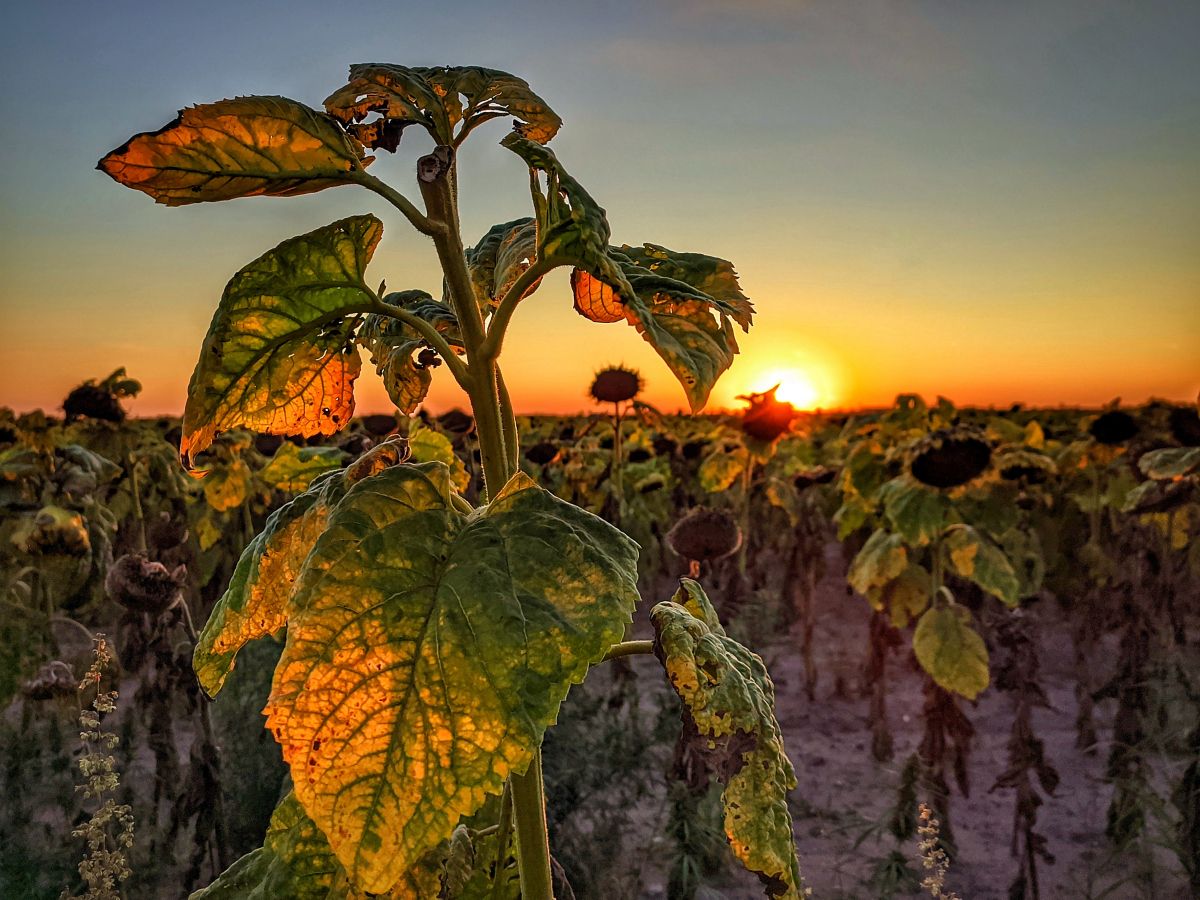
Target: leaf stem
{"x":533,"y":846}
{"x":508,"y":304}
{"x":502,"y":838}
{"x":629,"y":648}
{"x":419,"y":221}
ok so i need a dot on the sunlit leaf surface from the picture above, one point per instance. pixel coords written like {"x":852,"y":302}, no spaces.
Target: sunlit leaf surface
{"x":448,"y":102}
{"x":729,"y":695}
{"x":293,"y":468}
{"x":428,"y":650}
{"x":237,"y":148}
{"x":279,"y":356}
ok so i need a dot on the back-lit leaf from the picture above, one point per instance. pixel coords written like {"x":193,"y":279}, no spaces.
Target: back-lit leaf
{"x":250,"y":146}
{"x":255,"y":604}
{"x":429,"y":649}
{"x":951,"y":651}
{"x":732,"y":734}
{"x":663,"y":294}
{"x":279,"y":356}
{"x":447,"y":101}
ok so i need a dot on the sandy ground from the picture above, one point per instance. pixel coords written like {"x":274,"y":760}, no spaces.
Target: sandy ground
{"x":842,"y":790}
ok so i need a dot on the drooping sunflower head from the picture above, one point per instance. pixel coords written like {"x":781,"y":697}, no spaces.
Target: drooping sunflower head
{"x":767,"y":418}
{"x":950,"y":457}
{"x":615,"y":384}
{"x":1113,"y":427}
{"x":1185,"y":425}
{"x":705,"y":535}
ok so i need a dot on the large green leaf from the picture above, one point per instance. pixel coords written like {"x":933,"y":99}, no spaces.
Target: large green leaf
{"x":500,"y":258}
{"x":392,"y":344}
{"x":279,"y":356}
{"x":429,"y":649}
{"x":916,"y":511}
{"x":238,"y":148}
{"x":976,"y":558}
{"x":880,"y":560}
{"x":951,"y":651}
{"x":730,"y":700}
{"x":440,"y":99}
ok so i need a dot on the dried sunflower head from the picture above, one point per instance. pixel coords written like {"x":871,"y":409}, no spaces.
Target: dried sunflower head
{"x":705,"y":535}
{"x":541,"y":453}
{"x":615,"y":384}
{"x":949,"y":457}
{"x":92,"y":401}
{"x":143,"y":586}
{"x":1185,"y":425}
{"x":767,"y":418}
{"x":1113,"y":427}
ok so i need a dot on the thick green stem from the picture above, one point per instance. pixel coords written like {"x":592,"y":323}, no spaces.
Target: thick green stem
{"x":533,"y":846}
{"x":508,"y":422}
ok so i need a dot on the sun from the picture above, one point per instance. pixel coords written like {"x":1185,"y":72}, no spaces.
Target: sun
{"x":795,"y":387}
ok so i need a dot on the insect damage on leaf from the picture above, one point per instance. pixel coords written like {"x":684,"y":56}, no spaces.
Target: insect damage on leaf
{"x":429,"y":649}
{"x":279,"y":356}
{"x":448,"y":102}
{"x":250,"y":146}
{"x":732,"y":734}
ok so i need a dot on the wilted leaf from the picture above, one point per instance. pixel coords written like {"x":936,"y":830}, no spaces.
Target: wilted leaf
{"x":438,"y":99}
{"x":500,"y":258}
{"x":279,"y":356}
{"x":293,"y":469}
{"x":255,"y":603}
{"x":237,"y":148}
{"x":392,"y":344}
{"x":1173,"y":462}
{"x":880,"y":560}
{"x":730,"y":698}
{"x":429,"y":650}
{"x":916,"y":511}
{"x":976,"y":558}
{"x":951,"y":651}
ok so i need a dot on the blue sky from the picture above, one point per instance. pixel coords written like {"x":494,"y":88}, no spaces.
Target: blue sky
{"x":993,"y":201}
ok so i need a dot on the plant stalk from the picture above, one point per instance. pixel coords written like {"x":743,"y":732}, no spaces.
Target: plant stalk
{"x":533,"y":846}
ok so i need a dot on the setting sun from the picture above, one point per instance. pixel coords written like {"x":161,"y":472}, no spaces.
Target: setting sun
{"x":795,"y":387}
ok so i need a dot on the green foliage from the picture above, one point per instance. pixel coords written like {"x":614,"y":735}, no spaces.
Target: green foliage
{"x":477,"y":624}
{"x":950,"y":650}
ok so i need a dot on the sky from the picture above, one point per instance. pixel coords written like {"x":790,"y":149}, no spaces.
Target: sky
{"x":997,"y":202}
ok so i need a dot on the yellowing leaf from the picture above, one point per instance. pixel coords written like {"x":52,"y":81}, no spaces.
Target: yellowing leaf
{"x":951,"y":651}
{"x":975,"y":557}
{"x":279,"y":356}
{"x":721,"y":468}
{"x":225,"y":488}
{"x":1034,"y":436}
{"x":428,"y":650}
{"x":255,"y":603}
{"x":730,"y":731}
{"x":238,"y":148}
{"x":207,"y":532}
{"x":907,"y":595}
{"x":880,"y":560}
{"x":440,"y":99}
{"x":293,"y":469}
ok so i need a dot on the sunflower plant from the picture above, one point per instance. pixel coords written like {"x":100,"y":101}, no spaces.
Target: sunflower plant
{"x":430,"y":642}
